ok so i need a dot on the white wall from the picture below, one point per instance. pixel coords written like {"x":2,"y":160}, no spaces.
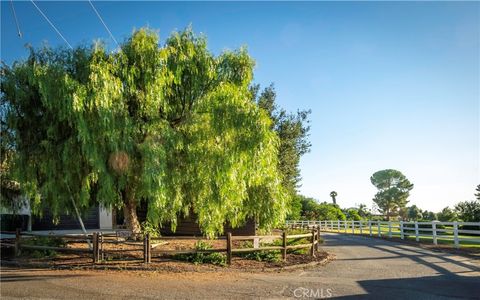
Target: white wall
{"x":105,"y":218}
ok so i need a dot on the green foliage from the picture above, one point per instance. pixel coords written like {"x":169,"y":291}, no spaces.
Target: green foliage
{"x":414,"y":213}
{"x":363,"y":211}
{"x":275,"y":255}
{"x":295,"y":211}
{"x":312,"y":210}
{"x":171,"y":125}
{"x":213,"y":258}
{"x":353,"y":215}
{"x":152,"y":229}
{"x":447,"y":215}
{"x":292,"y":130}
{"x":468,"y":211}
{"x":267,"y":255}
{"x":9,"y":188}
{"x":429,"y":215}
{"x":42,"y":241}
{"x":393,"y":191}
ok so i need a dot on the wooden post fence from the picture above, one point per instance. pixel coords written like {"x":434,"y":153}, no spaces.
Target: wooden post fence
{"x":102,"y":253}
{"x":95,"y":247}
{"x":147,"y":257}
{"x":17,"y":242}
{"x":312,"y":250}
{"x":229,"y":248}
{"x":318,"y":237}
{"x":284,"y":245}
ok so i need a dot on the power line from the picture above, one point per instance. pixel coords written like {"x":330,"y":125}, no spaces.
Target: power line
{"x":51,"y":24}
{"x":105,"y":25}
{"x":16,"y":20}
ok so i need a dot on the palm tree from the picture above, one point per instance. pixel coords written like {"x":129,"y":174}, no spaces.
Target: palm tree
{"x":333,"y":194}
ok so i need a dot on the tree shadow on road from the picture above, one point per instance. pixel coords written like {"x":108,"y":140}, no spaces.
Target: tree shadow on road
{"x":397,"y":250}
{"x":430,"y":287}
{"x":14,"y":275}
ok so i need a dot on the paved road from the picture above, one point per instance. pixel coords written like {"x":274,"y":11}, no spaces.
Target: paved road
{"x":364,"y":268}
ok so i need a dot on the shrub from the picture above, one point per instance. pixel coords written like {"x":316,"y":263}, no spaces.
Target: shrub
{"x":42,"y":241}
{"x":264,"y":255}
{"x":203,"y":258}
{"x":151,"y":229}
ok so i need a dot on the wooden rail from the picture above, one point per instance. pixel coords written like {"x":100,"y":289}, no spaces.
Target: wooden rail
{"x":98,"y":240}
{"x":313,"y":236}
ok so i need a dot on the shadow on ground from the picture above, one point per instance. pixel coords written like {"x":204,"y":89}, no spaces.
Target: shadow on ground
{"x":432,"y":287}
{"x":13,"y":275}
{"x":399,"y":250}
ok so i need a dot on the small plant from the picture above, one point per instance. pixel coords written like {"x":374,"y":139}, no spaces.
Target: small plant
{"x":268,"y":256}
{"x":151,"y":229}
{"x":42,"y":241}
{"x":213,"y":258}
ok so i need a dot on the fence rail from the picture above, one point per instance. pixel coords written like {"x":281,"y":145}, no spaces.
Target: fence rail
{"x":98,"y":239}
{"x":451,"y":232}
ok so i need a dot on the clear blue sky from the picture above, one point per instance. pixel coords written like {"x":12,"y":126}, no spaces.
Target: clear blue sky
{"x":390,"y":85}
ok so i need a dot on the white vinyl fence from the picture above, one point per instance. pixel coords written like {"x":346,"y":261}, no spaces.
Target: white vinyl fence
{"x":456,"y":233}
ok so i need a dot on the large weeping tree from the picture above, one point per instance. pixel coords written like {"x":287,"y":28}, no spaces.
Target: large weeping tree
{"x":171,"y":125}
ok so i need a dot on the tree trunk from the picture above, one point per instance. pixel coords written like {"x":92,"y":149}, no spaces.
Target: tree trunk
{"x":130,"y":214}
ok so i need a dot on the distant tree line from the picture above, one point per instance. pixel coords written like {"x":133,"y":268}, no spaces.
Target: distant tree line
{"x":391,"y":201}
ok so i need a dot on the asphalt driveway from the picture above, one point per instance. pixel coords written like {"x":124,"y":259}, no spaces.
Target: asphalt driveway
{"x":364,"y":268}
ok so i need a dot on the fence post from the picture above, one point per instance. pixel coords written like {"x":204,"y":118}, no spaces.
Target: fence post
{"x":379,"y":229}
{"x":434,"y":233}
{"x":145,"y":248}
{"x":353,"y":227}
{"x":401,"y":230}
{"x":361,"y":232}
{"x":338,"y":225}
{"x":455,"y":234}
{"x":17,"y":241}
{"x":318,"y":236}
{"x":284,"y":245}
{"x":102,"y":256}
{"x":416,"y":232}
{"x":370,"y":226}
{"x":389,"y":229}
{"x":312,"y":249}
{"x":149,"y":248}
{"x":95,"y":247}
{"x":229,"y":248}
{"x":345,"y":225}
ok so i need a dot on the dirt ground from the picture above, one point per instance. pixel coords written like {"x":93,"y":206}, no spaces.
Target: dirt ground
{"x":365,"y":268}
{"x":133,"y":259}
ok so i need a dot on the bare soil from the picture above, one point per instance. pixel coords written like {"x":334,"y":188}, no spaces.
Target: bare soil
{"x":133,"y":259}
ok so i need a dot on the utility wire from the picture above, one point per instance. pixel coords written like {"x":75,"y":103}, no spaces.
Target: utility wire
{"x":51,"y":24}
{"x":16,"y":20}
{"x":105,"y":25}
